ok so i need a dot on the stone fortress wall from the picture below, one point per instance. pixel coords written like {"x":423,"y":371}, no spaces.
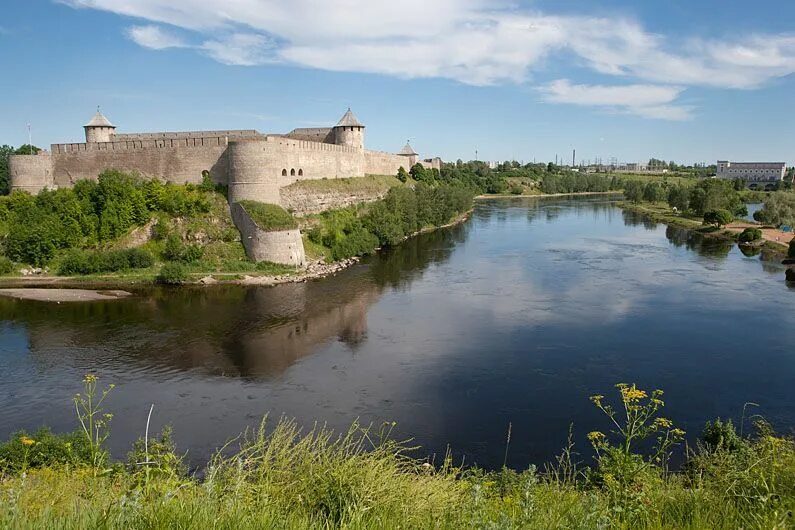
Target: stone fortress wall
{"x":255,"y":166}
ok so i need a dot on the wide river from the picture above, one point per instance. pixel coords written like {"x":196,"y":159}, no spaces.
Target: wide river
{"x":514,"y":317}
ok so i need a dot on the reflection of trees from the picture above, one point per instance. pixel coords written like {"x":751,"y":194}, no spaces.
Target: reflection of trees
{"x":399,"y":266}
{"x":231,"y":330}
{"x":632,"y":218}
{"x":750,"y":251}
{"x":704,"y":246}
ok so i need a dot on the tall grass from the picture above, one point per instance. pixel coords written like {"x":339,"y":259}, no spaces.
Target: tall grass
{"x":279,"y":476}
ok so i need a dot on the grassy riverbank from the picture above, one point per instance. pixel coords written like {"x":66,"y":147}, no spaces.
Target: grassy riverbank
{"x":279,"y":476}
{"x":662,"y":213}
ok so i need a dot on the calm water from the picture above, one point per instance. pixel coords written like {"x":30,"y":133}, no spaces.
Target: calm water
{"x":516,"y":316}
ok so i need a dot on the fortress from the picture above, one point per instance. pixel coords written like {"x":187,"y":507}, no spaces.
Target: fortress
{"x":253,"y":165}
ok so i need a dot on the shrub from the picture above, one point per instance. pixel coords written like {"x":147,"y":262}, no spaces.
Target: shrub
{"x":516,"y":189}
{"x":718,"y":218}
{"x":791,"y":252}
{"x":25,"y":451}
{"x":172,"y":274}
{"x":402,"y":175}
{"x":82,"y":262}
{"x":749,"y":235}
{"x":174,"y":248}
{"x":6,"y":265}
{"x":358,"y":243}
{"x":721,"y":435}
{"x":269,"y":217}
{"x":192,"y":253}
{"x":155,"y":458}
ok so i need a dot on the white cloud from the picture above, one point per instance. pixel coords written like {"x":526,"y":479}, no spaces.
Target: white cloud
{"x":479,"y":42}
{"x":241,"y":49}
{"x":154,"y":37}
{"x":649,"y":101}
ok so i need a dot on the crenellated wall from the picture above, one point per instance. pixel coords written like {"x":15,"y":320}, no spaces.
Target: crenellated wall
{"x":254,"y":166}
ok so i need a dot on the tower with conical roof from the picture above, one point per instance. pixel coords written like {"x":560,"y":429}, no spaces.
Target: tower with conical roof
{"x":349,"y":131}
{"x":410,"y":154}
{"x":99,"y":129}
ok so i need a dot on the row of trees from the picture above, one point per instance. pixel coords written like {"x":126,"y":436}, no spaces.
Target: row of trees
{"x":404,"y":211}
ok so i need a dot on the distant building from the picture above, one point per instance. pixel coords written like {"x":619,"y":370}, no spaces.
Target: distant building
{"x":752,"y":171}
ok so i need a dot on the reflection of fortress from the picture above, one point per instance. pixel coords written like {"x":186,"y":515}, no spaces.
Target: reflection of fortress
{"x":254,"y":165}
{"x":247,"y":332}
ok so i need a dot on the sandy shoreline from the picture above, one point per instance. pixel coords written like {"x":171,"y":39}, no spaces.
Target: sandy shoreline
{"x":63,"y":295}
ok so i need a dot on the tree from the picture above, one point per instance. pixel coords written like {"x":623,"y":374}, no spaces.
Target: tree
{"x":792,"y":249}
{"x":653,"y":192}
{"x":402,"y":176}
{"x":719,"y":218}
{"x":749,"y":235}
{"x":633,"y":191}
{"x":5,"y":152}
{"x":715,"y":194}
{"x":27,"y":149}
{"x":679,"y":197}
{"x":779,"y":209}
{"x":420,"y":174}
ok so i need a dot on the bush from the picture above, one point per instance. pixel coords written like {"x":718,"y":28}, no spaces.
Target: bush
{"x":718,"y":218}
{"x":172,"y":274}
{"x":360,"y":242}
{"x":25,"y":451}
{"x":6,"y":265}
{"x":269,"y":217}
{"x":516,"y":189}
{"x":749,"y":235}
{"x":402,"y":175}
{"x":174,"y":248}
{"x":791,"y":252}
{"x":82,"y":262}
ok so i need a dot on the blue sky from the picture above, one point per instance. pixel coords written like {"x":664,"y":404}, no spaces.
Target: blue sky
{"x":675,"y":79}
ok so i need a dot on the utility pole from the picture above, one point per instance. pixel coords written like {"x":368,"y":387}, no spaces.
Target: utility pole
{"x":573,"y":155}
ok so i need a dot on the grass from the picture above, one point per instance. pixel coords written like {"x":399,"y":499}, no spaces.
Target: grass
{"x":281,"y":476}
{"x":371,"y":184}
{"x":269,"y":217}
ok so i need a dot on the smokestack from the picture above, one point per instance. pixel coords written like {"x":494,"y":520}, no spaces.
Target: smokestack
{"x":573,"y":156}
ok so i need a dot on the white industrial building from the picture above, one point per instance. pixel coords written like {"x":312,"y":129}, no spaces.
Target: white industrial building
{"x":752,"y":171}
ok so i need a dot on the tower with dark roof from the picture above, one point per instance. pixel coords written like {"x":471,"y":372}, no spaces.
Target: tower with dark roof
{"x":99,"y":129}
{"x":349,"y":131}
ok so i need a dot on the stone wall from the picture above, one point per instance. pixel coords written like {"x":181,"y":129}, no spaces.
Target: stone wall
{"x":282,"y":246}
{"x":175,"y":160}
{"x":258,"y":168}
{"x":301,"y":201}
{"x":31,"y":173}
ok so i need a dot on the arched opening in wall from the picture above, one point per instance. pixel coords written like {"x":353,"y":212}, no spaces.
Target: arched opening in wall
{"x":292,"y":172}
{"x":284,"y":172}
{"x":300,"y":172}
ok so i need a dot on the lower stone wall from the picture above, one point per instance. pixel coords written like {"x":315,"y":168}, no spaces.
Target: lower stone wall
{"x":284,"y":246}
{"x":176,"y":164}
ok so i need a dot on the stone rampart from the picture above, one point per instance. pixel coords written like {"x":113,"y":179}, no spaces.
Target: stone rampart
{"x":31,"y":173}
{"x":283,"y":246}
{"x":176,"y":160}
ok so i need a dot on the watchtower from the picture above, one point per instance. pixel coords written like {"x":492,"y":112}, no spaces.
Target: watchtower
{"x":349,"y":131}
{"x":99,"y":129}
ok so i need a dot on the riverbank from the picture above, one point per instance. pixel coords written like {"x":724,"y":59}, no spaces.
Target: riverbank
{"x":545,"y":195}
{"x":775,"y":241}
{"x":40,"y":287}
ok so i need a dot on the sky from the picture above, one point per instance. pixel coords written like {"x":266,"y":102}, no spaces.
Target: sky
{"x":684,"y":80}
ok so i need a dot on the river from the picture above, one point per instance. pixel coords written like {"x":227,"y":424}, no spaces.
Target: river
{"x":514,"y":317}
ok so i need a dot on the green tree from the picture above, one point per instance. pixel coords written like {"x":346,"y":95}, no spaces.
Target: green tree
{"x":5,"y":178}
{"x":779,"y":209}
{"x":633,"y":191}
{"x":402,"y":175}
{"x":679,"y":197}
{"x":27,"y":149}
{"x":719,"y":217}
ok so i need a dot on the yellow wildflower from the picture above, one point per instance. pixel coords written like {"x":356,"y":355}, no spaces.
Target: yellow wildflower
{"x":596,"y":436}
{"x":677,"y":432}
{"x":27,"y":441}
{"x":663,"y":423}
{"x":632,"y":393}
{"x":90,"y":378}
{"x":597,"y":399}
